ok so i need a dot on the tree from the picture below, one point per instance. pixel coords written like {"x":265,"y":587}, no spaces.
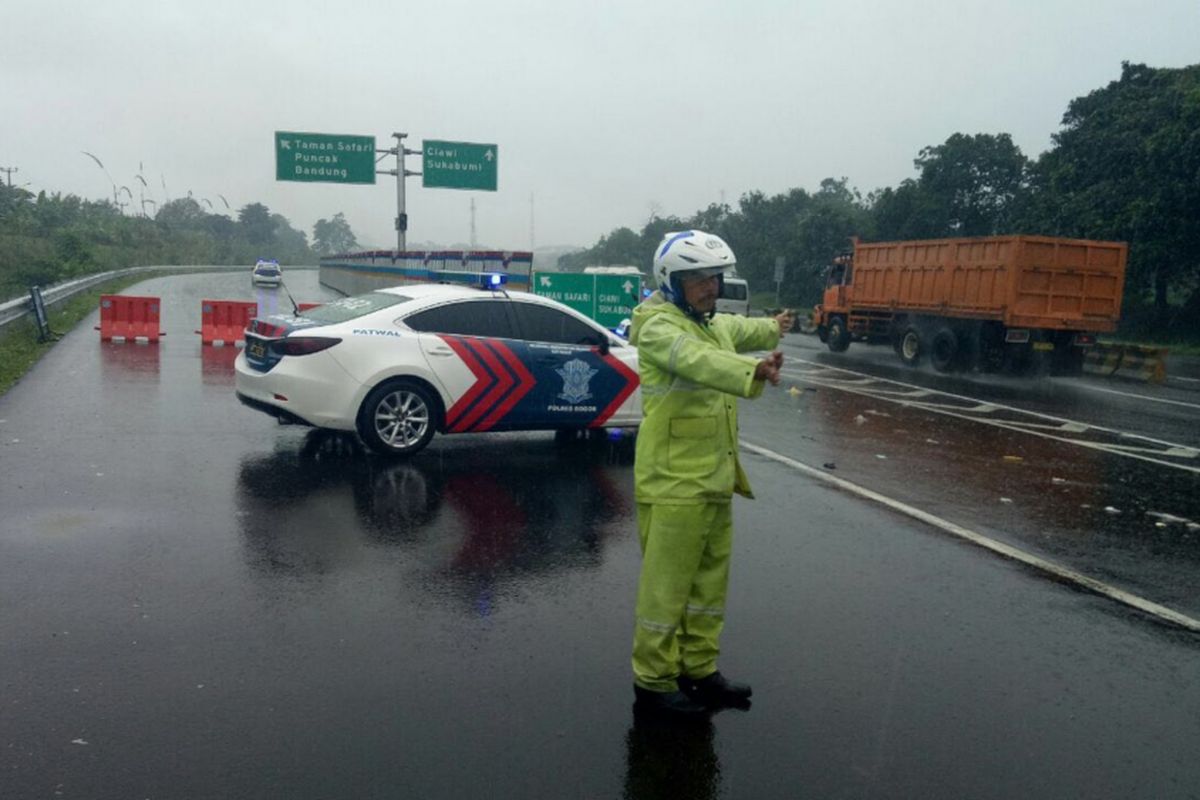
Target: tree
{"x":332,"y":236}
{"x":256,"y":224}
{"x":182,"y":214}
{"x":621,"y":246}
{"x":906,"y":212}
{"x":1126,"y":166}
{"x":970,"y":185}
{"x":973,"y":182}
{"x":290,"y":245}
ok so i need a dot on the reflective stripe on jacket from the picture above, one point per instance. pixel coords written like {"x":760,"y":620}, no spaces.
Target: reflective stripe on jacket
{"x":691,"y":377}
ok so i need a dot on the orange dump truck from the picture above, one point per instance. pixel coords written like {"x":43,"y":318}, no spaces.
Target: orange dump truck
{"x":1016,"y":303}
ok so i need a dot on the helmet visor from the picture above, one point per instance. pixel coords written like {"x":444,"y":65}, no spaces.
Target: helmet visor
{"x":702,"y":272}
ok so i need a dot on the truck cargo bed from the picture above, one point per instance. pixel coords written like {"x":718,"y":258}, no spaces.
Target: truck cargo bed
{"x":1022,"y":281}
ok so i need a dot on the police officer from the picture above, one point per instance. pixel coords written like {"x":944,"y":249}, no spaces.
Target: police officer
{"x":686,"y":469}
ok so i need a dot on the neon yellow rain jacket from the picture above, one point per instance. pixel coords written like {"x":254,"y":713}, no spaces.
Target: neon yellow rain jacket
{"x":687,"y":443}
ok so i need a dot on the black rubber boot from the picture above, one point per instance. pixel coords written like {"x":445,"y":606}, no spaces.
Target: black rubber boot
{"x":673,"y":703}
{"x":716,"y":691}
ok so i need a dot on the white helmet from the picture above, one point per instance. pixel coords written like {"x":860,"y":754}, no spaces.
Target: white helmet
{"x":693,"y":252}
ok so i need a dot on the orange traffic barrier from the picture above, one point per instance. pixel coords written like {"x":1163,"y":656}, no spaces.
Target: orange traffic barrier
{"x":307,"y":306}
{"x":225,"y":321}
{"x":128,"y":317}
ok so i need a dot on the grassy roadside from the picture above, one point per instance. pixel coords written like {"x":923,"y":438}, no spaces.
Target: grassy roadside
{"x":19,"y":345}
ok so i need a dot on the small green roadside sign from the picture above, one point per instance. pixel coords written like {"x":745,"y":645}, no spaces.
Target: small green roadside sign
{"x":459,"y":165}
{"x":324,"y":157}
{"x":608,"y":299}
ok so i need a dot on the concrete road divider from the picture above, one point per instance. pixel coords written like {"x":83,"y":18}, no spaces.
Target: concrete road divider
{"x":129,"y":318}
{"x":223,"y":322}
{"x":1133,"y":362}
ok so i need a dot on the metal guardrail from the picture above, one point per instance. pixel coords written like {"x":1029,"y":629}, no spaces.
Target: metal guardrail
{"x":15,"y":309}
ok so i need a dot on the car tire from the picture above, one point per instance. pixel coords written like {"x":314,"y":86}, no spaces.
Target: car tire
{"x":398,"y":418}
{"x":839,"y":335}
{"x":910,"y":346}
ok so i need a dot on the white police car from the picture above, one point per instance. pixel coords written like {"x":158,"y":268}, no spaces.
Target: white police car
{"x":266,"y":273}
{"x":399,"y":364}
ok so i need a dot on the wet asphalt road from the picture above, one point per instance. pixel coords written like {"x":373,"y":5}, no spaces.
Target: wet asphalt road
{"x":197,"y":603}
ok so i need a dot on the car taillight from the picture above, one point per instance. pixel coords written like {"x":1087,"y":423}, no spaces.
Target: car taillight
{"x":302,"y":345}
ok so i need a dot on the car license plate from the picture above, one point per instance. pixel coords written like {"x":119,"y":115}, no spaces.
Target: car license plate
{"x":257,"y":349}
{"x":1043,"y":346}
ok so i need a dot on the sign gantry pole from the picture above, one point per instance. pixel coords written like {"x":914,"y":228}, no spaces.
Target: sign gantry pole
{"x":399,"y":151}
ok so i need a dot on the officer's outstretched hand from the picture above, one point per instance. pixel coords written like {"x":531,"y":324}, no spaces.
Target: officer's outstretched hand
{"x":768,"y":368}
{"x":786,"y":319}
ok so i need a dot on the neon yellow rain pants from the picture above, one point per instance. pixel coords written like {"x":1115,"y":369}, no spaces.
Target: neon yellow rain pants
{"x":681,"y":593}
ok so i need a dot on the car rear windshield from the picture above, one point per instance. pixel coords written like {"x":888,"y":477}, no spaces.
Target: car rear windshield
{"x":349,"y":308}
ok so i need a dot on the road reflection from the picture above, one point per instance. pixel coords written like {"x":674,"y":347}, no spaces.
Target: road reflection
{"x":216,"y":365}
{"x":130,"y":361}
{"x":667,"y":759}
{"x":470,"y":512}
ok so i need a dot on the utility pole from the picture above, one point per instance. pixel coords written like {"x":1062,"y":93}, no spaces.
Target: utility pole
{"x":531,"y":240}
{"x":9,"y":171}
{"x":472,"y":223}
{"x":399,"y":151}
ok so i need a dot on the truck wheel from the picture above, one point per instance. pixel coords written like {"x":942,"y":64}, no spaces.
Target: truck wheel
{"x":910,"y":347}
{"x":838,"y":335}
{"x":943,"y":350}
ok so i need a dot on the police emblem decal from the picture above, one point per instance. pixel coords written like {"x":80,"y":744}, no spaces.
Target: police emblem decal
{"x":576,"y":375}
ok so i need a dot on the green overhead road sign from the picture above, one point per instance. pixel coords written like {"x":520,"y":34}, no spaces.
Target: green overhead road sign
{"x":608,"y":299}
{"x":325,"y":157}
{"x":459,"y":165}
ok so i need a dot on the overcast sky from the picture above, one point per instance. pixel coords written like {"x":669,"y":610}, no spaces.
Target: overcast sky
{"x":602,"y":111}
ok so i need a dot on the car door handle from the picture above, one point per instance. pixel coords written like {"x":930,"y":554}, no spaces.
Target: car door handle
{"x":441,"y":351}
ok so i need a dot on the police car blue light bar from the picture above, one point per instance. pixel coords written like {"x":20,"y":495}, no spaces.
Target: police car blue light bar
{"x":494,"y":280}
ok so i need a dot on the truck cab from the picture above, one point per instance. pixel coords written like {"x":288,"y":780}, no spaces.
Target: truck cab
{"x":834,"y":306}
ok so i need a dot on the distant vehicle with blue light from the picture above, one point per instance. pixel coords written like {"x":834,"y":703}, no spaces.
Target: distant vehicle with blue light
{"x":399,"y":364}
{"x":266,"y":272}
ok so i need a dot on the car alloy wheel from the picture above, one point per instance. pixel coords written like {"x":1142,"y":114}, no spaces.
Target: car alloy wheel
{"x":398,"y":418}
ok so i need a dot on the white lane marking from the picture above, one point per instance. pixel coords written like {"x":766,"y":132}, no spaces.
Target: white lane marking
{"x":1058,"y":571}
{"x":1122,"y":450}
{"x":969,"y":412}
{"x":1139,"y":396}
{"x":1189,"y":380}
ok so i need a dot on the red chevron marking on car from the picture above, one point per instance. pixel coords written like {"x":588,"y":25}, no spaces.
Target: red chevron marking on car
{"x":631,"y":384}
{"x":504,"y":382}
{"x":525,"y":382}
{"x":483,"y":379}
